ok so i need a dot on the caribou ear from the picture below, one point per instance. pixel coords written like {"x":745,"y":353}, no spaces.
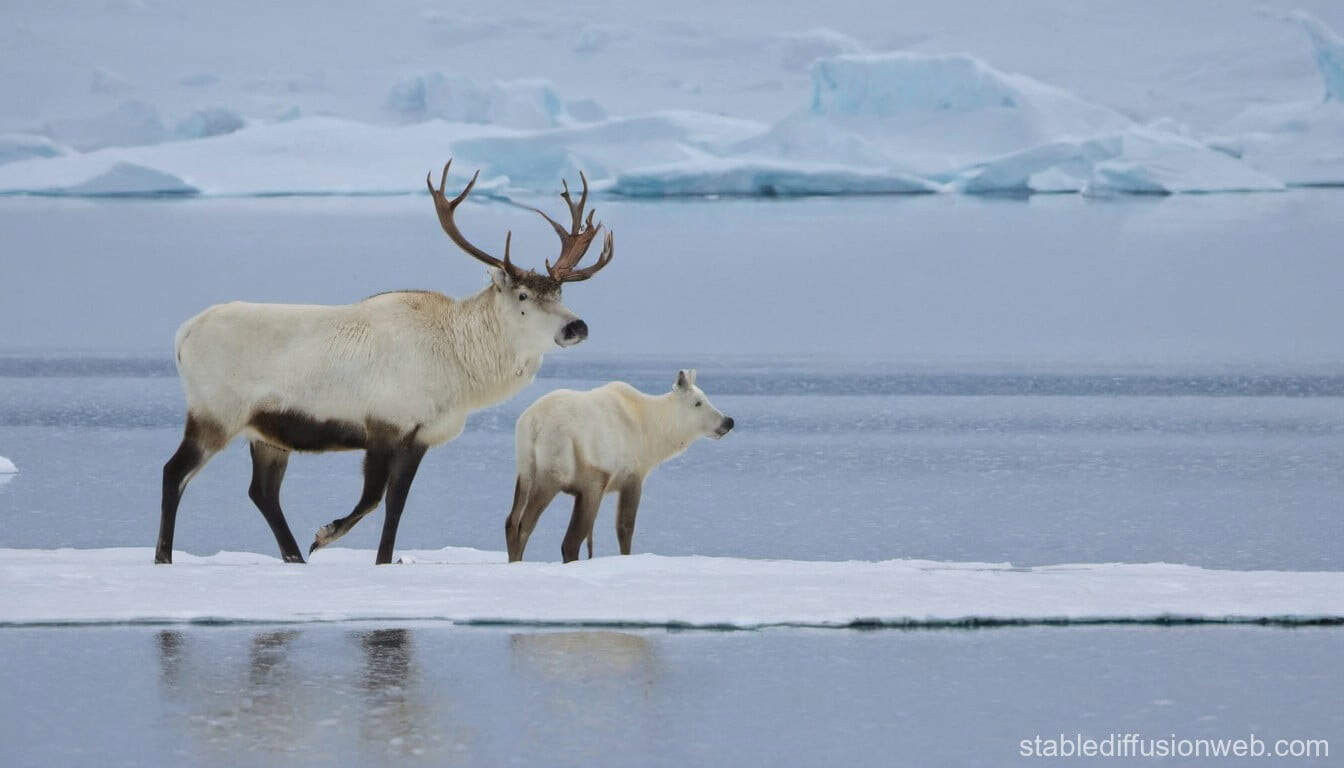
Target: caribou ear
{"x":499,"y":278}
{"x":686,"y":378}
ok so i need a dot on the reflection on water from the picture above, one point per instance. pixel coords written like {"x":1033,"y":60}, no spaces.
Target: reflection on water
{"x":366,"y":695}
{"x":575,"y":657}
{"x":393,"y":711}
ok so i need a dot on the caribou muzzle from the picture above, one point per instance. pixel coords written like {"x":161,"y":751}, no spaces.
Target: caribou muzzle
{"x":573,"y":332}
{"x":725,"y":427}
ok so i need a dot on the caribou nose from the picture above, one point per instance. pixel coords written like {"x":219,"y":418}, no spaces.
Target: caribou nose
{"x":576,"y":331}
{"x":725,"y":426}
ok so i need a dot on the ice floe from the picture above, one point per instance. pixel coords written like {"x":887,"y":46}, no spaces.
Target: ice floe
{"x":470,"y":586}
{"x":7,"y":467}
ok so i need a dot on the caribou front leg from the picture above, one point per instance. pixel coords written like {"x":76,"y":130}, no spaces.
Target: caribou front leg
{"x":405,"y":461}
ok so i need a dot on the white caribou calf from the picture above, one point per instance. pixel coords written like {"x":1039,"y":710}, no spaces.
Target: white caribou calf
{"x":605,"y":440}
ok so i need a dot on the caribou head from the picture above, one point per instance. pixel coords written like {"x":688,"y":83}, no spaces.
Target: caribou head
{"x":528,"y":302}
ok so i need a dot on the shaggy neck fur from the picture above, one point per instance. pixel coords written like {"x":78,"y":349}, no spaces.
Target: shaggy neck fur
{"x":491,"y":363}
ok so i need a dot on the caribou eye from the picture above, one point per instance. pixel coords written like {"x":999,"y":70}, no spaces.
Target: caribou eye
{"x":522,"y":297}
{"x":697,"y":403}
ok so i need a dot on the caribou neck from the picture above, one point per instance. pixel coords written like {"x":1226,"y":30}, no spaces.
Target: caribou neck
{"x":663,"y":437}
{"x":472,"y":340}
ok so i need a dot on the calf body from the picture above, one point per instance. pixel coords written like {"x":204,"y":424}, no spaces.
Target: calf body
{"x":605,"y":440}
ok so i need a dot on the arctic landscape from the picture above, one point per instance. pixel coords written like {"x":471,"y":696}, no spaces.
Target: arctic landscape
{"x":837,"y":116}
{"x":1027,"y":315}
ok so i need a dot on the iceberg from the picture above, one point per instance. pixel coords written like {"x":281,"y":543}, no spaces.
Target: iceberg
{"x":1140,"y":160}
{"x":7,"y":467}
{"x":1301,"y":143}
{"x":526,"y":104}
{"x":928,"y":114}
{"x":23,"y":146}
{"x":469,"y":586}
{"x":215,"y":121}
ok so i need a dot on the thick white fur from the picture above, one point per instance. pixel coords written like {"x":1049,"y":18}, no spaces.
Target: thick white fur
{"x":407,"y":359}
{"x":614,"y":431}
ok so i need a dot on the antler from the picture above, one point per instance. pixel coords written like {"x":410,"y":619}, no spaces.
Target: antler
{"x":574,"y":242}
{"x":445,"y":208}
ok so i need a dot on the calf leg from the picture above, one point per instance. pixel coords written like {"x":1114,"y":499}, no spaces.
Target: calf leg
{"x":625,"y":514}
{"x":405,"y":461}
{"x":377,"y":464}
{"x":515,"y":517}
{"x":541,"y":492}
{"x":201,"y":440}
{"x":268,"y":472}
{"x":586,"y":503}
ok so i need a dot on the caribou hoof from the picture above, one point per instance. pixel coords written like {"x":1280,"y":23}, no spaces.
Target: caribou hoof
{"x":324,"y":536}
{"x":294,"y":558}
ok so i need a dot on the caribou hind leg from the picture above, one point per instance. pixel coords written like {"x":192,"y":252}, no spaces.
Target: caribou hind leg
{"x":586,"y":503}
{"x":201,"y":440}
{"x":377,"y":461}
{"x":540,"y":492}
{"x":268,"y":472}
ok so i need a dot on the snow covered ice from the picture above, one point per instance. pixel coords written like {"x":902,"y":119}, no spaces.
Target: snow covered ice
{"x":471,"y":586}
{"x":873,"y":122}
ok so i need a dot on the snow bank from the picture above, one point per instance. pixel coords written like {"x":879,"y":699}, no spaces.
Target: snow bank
{"x":462,"y":585}
{"x":7,"y":467}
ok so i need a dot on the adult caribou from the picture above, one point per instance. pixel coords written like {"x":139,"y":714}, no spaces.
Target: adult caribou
{"x":392,"y":375}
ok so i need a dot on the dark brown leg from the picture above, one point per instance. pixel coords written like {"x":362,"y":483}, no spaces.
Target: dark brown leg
{"x":377,"y":464}
{"x":586,"y":504}
{"x":405,"y":461}
{"x":541,"y":492}
{"x":515,"y":518}
{"x":199,"y":443}
{"x":625,"y":514}
{"x":268,"y":472}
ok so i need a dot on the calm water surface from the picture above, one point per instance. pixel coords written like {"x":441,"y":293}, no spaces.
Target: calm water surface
{"x":438,"y":695}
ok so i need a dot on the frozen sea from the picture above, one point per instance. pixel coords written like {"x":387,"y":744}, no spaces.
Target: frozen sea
{"x":1034,"y":381}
